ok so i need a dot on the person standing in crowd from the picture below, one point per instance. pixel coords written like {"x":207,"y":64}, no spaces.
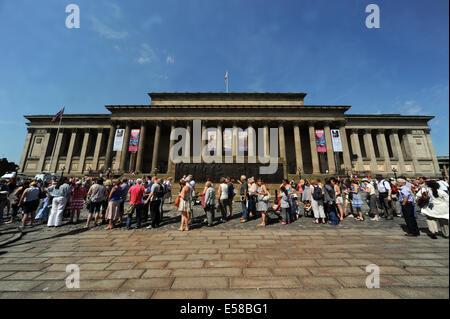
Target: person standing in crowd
{"x":290,"y":193}
{"x":168,"y":184}
{"x":44,"y":209}
{"x":316,"y":197}
{"x":262,"y":201}
{"x":185,"y":205}
{"x":77,"y":201}
{"x":60,"y":194}
{"x":373,"y":209}
{"x":4,"y":203}
{"x":145,"y":203}
{"x":114,"y":200}
{"x":251,"y":207}
{"x":436,"y":208}
{"x":384,"y":193}
{"x":155,"y":196}
{"x":284,"y":203}
{"x":306,"y":198}
{"x":12,"y":184}
{"x":15,"y":207}
{"x":406,"y":199}
{"x":210,"y":203}
{"x":136,"y":193}
{"x":223,"y":199}
{"x":244,"y":196}
{"x":124,"y":187}
{"x":356,"y":199}
{"x":29,"y":202}
{"x":339,"y":198}
{"x":347,"y":197}
{"x":231,"y":194}
{"x":97,"y":195}
{"x":329,"y":201}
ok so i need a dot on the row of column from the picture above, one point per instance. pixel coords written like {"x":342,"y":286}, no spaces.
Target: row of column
{"x":136,"y":159}
{"x":396,"y":147}
{"x":251,"y":146}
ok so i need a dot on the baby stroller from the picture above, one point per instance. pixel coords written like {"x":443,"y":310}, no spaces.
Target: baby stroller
{"x":273,"y":213}
{"x":307,"y":209}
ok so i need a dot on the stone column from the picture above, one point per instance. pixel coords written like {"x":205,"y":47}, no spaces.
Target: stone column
{"x":397,"y":150}
{"x":412,"y":148}
{"x":314,"y":154}
{"x":124,"y":152}
{"x":141,"y":145}
{"x":203,"y":140}
{"x":345,"y":148}
{"x":234,"y":143}
{"x":282,"y":143}
{"x":25,"y":150}
{"x":357,"y":149}
{"x":170,"y":164}
{"x":188,"y":141}
{"x":382,"y":145}
{"x":370,"y":151}
{"x":109,"y":147}
{"x":298,"y":148}
{"x":68,"y":164}
{"x":251,"y":143}
{"x":156,"y":146}
{"x":98,"y":144}
{"x":219,"y":139}
{"x":41,"y":164}
{"x":54,"y":161}
{"x":266,"y":140}
{"x":330,"y":151}
{"x":83,"y":152}
{"x":433,"y":152}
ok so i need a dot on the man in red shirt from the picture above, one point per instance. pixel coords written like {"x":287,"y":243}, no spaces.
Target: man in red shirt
{"x":136,"y":193}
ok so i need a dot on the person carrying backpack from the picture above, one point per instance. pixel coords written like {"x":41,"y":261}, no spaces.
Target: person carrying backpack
{"x":316,"y":195}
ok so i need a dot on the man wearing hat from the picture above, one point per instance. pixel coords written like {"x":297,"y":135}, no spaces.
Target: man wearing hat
{"x":384,"y":194}
{"x":406,"y":199}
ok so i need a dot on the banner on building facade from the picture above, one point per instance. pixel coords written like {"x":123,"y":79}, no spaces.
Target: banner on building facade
{"x":211,"y":135}
{"x":336,"y":139}
{"x":118,"y":139}
{"x":320,"y":141}
{"x":243,"y":141}
{"x":134,"y":140}
{"x":228,"y":140}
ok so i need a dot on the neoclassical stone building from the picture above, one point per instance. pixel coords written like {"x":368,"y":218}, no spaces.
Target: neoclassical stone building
{"x":370,"y":143}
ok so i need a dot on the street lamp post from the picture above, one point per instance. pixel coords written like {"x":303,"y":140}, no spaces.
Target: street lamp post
{"x":394,"y":170}
{"x":62,"y":171}
{"x":156,"y":171}
{"x":300,"y":173}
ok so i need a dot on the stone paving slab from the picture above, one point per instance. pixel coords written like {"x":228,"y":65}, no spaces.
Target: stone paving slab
{"x":231,"y":261}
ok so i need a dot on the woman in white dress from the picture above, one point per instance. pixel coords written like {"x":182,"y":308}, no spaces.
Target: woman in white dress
{"x":436,"y":209}
{"x":261,"y":204}
{"x":185,"y":206}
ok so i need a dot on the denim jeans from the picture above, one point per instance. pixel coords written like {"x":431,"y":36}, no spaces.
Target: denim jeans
{"x":244,"y":209}
{"x":250,"y":205}
{"x":138,"y":209}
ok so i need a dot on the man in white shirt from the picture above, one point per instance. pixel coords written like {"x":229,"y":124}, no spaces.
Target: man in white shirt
{"x":384,"y":194}
{"x":370,"y":190}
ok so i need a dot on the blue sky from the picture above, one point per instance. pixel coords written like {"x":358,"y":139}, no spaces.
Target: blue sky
{"x":125,"y":49}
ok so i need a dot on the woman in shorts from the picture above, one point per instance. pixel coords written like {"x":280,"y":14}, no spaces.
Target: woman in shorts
{"x":29,"y":202}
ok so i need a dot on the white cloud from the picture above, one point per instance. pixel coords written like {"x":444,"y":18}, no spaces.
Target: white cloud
{"x":146,"y":54}
{"x":106,"y":31}
{"x":153,"y":20}
{"x":170,"y":59}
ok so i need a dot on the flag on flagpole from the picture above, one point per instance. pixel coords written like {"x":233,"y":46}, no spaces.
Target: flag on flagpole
{"x":226,"y":76}
{"x":58,"y":115}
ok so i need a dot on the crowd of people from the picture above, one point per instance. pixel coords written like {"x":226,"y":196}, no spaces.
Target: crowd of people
{"x":329,"y":201}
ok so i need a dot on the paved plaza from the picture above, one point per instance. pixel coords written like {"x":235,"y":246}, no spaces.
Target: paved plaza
{"x":230,"y":260}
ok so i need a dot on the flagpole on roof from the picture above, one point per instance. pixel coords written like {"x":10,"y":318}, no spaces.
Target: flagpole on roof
{"x":226,"y":81}
{"x":56,"y":140}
